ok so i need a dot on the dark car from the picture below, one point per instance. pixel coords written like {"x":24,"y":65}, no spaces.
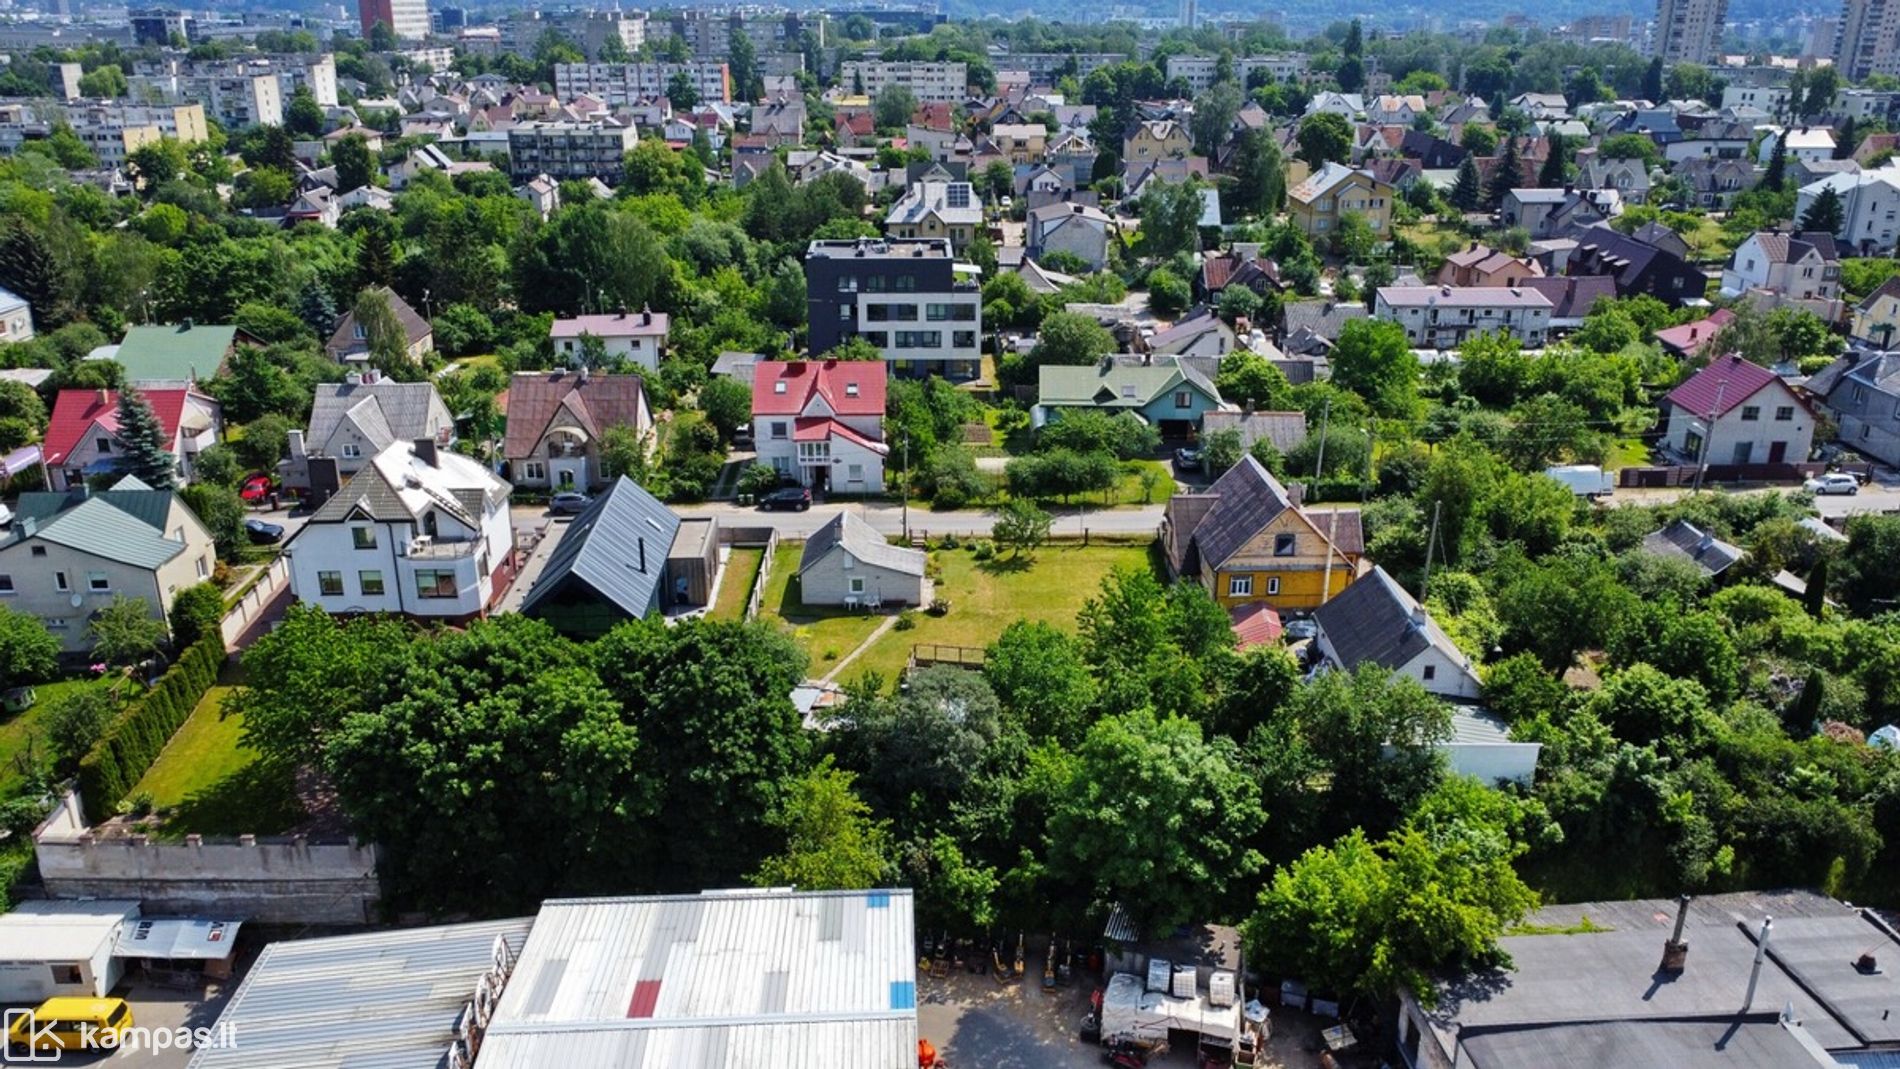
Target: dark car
{"x":792,"y":498}
{"x":263,"y":533}
{"x":569,"y":503}
{"x":1188,"y":458}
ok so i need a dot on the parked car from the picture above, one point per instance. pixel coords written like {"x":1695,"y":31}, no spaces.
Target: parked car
{"x":1299,"y":630}
{"x":569,"y":503}
{"x":790,"y":499}
{"x":1187,"y":458}
{"x":6,"y":515}
{"x":256,"y":488}
{"x":66,"y":1023}
{"x":263,"y":532}
{"x":1834,"y":482}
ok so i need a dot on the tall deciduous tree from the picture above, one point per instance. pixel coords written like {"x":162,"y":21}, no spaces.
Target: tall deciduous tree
{"x":1182,"y":852}
{"x":1038,"y":674}
{"x":1324,"y":138}
{"x":1373,"y":360}
{"x":125,"y":632}
{"x":28,"y":651}
{"x":832,"y":842}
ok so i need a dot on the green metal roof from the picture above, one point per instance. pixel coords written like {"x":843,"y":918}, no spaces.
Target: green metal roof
{"x":102,"y":529}
{"x":1118,"y":385}
{"x":175,"y":353}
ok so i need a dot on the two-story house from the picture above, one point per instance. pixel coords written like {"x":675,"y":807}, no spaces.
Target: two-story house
{"x":1020,"y":143}
{"x":354,"y":420}
{"x":1247,"y":540}
{"x":557,"y":419}
{"x":1637,"y":266}
{"x":16,"y":317}
{"x":349,"y":343}
{"x":1801,"y":268}
{"x":1375,"y":621}
{"x":69,"y":554}
{"x":83,"y":438}
{"x":1071,"y":227}
{"x":631,"y":337}
{"x":1735,"y":412}
{"x":1861,"y":390}
{"x":418,"y":532}
{"x":1480,"y":265}
{"x":1876,"y":319}
{"x":1442,"y":317}
{"x":1317,"y":205}
{"x":1548,"y":213}
{"x":1169,"y":392}
{"x":1156,"y":139}
{"x":1870,"y":200}
{"x":949,"y":210}
{"x":822,"y":422}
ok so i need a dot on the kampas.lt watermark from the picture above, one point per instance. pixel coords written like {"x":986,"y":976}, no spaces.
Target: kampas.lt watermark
{"x":31,"y":1042}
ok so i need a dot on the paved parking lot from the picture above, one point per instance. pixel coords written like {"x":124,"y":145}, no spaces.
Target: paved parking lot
{"x":160,"y":1007}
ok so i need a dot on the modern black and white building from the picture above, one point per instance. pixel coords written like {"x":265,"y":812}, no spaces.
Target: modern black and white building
{"x":910,"y":298}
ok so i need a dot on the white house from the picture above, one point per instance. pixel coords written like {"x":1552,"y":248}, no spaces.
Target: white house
{"x":1442,"y":317}
{"x":16,"y":317}
{"x":1376,"y":621}
{"x":418,"y":532}
{"x":353,"y":420}
{"x":1735,"y":412}
{"x":1080,"y":229}
{"x":1804,"y":143}
{"x":638,"y":337}
{"x":83,"y":438}
{"x":1803,"y":267}
{"x":822,"y":421}
{"x":1869,"y":202}
{"x":847,"y":563}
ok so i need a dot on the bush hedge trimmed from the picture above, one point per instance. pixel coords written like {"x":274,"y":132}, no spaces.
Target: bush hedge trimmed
{"x":133,"y":741}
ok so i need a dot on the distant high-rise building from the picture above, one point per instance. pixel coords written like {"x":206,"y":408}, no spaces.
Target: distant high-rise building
{"x":1690,"y":31}
{"x":1867,"y":41}
{"x":1823,"y":35}
{"x":1188,"y":14}
{"x":450,"y":19}
{"x":409,"y":19}
{"x":157,"y":26}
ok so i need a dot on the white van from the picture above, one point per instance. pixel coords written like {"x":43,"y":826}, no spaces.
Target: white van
{"x":1584,"y":480}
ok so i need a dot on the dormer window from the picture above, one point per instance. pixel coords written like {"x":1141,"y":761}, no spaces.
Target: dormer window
{"x":778,"y":387}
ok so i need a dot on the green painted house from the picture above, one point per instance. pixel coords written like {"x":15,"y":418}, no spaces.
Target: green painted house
{"x":1169,"y":392}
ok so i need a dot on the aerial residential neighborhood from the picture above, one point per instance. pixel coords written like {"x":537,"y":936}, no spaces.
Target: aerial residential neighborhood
{"x":949,"y":535}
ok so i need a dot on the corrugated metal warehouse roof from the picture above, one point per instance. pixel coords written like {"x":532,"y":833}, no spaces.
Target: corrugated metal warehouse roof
{"x":785,"y":979}
{"x":383,"y":1000}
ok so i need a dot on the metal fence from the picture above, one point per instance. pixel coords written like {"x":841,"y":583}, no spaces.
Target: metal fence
{"x":1685,"y":474}
{"x":756,"y":600}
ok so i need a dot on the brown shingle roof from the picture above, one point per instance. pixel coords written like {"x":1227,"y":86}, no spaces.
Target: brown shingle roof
{"x":595,"y":402}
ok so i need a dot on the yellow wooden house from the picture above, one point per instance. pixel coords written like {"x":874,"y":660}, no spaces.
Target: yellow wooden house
{"x":1248,"y":541}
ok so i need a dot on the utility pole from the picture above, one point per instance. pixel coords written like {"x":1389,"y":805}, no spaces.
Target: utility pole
{"x":905,"y":489}
{"x":1319,"y":459}
{"x":1372,"y":444}
{"x":1431,"y":543}
{"x":1708,"y":436}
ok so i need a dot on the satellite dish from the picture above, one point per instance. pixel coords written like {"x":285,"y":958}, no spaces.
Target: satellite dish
{"x":77,"y":601}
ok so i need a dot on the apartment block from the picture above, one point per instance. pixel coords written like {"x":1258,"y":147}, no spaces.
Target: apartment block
{"x":1690,"y":31}
{"x":235,"y":100}
{"x":1048,"y":66}
{"x":111,"y":129}
{"x":1199,"y":71}
{"x":621,"y":84}
{"x":564,"y":150}
{"x":1442,"y":317}
{"x":931,"y":83}
{"x":709,"y":34}
{"x":910,"y":298}
{"x":408,"y":19}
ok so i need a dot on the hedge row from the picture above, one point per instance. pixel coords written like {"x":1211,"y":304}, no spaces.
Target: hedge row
{"x":134,"y":739}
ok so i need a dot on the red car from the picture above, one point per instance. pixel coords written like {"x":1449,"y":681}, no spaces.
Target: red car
{"x":256,"y":488}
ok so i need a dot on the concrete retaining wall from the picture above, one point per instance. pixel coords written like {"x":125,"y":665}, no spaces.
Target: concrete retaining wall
{"x":277,"y":880}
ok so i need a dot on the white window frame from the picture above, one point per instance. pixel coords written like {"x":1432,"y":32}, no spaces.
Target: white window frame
{"x":1273,"y":585}
{"x":1240,"y":586}
{"x":98,"y":583}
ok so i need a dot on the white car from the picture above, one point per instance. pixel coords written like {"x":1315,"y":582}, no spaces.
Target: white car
{"x":6,"y":515}
{"x":1832,"y":483}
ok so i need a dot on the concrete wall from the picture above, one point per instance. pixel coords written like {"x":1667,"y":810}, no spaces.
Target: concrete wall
{"x":269,"y":880}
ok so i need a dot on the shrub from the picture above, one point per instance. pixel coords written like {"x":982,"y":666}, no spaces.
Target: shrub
{"x":906,"y":620}
{"x":758,"y":479}
{"x":134,"y":739}
{"x":939,"y":607}
{"x":196,"y":612}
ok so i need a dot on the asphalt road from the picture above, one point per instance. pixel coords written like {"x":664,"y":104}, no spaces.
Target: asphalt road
{"x":889,"y":519}
{"x":1882,"y":494}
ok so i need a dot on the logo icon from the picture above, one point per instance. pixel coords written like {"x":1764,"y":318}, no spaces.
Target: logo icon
{"x":27,"y":1041}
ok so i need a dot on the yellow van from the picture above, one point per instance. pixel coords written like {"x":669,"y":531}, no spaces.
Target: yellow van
{"x":70,"y":1024}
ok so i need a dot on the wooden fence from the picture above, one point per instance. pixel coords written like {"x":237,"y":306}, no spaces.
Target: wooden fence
{"x":925,"y":654}
{"x":756,"y":600}
{"x":1685,"y":474}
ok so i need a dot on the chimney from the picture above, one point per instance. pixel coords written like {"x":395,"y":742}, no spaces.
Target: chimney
{"x":1761,"y":951}
{"x":354,"y":378}
{"x":105,"y":396}
{"x":643,"y":555}
{"x":1675,"y":951}
{"x":425,"y":451}
{"x":371,"y":376}
{"x":295,"y":444}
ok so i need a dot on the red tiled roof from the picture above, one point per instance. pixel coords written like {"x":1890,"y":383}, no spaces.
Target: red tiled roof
{"x":1255,"y":625}
{"x":1689,"y":339}
{"x":820,"y":428}
{"x":75,"y":411}
{"x":848,"y":387}
{"x":595,"y":402}
{"x":1719,"y":388}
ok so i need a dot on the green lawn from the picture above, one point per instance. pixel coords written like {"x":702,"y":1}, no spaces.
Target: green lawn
{"x":742,"y":570}
{"x":208,"y":782}
{"x":1626,"y":453}
{"x":987,"y":596}
{"x":16,"y":729}
{"x":818,"y":630}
